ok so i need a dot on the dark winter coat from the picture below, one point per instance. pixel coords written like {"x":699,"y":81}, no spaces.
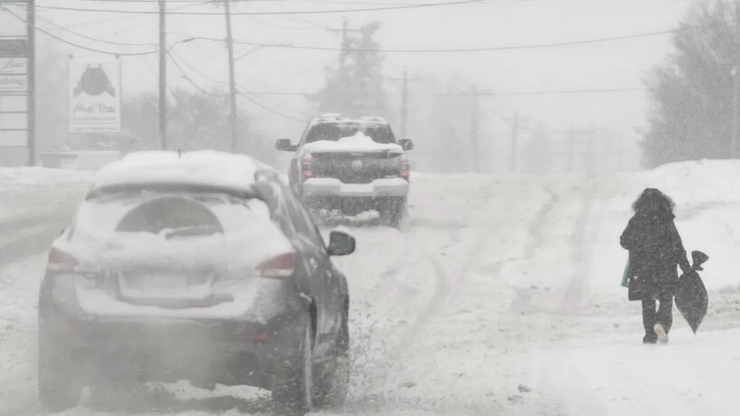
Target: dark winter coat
{"x":655,"y":247}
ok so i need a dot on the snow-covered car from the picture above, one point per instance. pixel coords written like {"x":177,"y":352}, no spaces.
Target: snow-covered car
{"x":199,"y":266}
{"x":353,"y":165}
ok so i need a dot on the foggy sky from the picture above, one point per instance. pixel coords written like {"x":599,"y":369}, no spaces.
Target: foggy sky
{"x":492,"y":23}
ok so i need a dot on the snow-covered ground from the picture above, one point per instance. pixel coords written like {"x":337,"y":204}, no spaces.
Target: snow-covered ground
{"x":500,"y":296}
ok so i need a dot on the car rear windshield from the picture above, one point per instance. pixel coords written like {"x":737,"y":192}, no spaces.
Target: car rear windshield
{"x":380,"y":133}
{"x":172,"y":213}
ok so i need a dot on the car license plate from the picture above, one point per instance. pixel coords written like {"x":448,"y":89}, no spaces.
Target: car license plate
{"x":361,"y":189}
{"x":164,"y":283}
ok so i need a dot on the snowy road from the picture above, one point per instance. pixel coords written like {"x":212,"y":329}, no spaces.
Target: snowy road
{"x":501,"y":296}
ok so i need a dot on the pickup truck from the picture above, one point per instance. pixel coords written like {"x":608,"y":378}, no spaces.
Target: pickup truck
{"x":351,"y":165}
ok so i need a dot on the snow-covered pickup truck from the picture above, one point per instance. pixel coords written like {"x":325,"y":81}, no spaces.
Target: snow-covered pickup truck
{"x":351,"y":165}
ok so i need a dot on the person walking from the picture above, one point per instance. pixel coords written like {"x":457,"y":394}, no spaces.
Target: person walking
{"x":655,"y":249}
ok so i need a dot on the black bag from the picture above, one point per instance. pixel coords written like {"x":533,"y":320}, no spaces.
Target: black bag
{"x":692,"y":299}
{"x":638,"y":289}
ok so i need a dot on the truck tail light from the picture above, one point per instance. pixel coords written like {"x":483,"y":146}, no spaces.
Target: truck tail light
{"x":405,"y":167}
{"x":307,"y":167}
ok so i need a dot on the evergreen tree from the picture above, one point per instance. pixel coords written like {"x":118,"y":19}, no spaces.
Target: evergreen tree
{"x":692,"y":92}
{"x":356,"y":87}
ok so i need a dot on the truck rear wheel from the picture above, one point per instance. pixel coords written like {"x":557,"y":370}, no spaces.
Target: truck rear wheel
{"x":393,"y":212}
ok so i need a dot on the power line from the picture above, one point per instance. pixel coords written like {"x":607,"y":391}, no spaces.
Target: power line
{"x":245,"y":95}
{"x":81,"y":46}
{"x":359,"y":10}
{"x":460,"y":50}
{"x":134,"y":16}
{"x":193,"y":83}
{"x":253,"y":101}
{"x":553,"y":92}
{"x":244,"y":1}
{"x":246,"y":91}
{"x":185,"y":62}
{"x":95,"y":39}
{"x":504,"y":93}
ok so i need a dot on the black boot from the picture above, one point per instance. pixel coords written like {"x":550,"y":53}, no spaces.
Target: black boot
{"x":650,"y":339}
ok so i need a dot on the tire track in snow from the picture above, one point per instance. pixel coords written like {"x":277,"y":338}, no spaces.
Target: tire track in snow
{"x":474,"y":253}
{"x":535,"y":242}
{"x":439,"y":296}
{"x":581,"y":258}
{"x":380,"y":369}
{"x":536,"y":239}
{"x":527,"y":327}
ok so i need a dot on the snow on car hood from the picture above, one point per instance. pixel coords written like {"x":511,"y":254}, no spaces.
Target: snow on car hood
{"x":357,"y":143}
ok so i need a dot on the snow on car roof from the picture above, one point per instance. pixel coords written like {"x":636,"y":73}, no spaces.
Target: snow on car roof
{"x":339,"y":119}
{"x":358,"y":142}
{"x":202,"y":167}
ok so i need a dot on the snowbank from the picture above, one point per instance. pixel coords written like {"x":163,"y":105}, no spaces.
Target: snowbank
{"x":357,"y":143}
{"x":707,"y":197}
{"x":36,"y":176}
{"x":33,"y":191}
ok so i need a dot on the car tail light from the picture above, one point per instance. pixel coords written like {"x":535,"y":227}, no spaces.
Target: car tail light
{"x":405,"y":167}
{"x":280,"y":266}
{"x":60,"y":260}
{"x":308,"y":167}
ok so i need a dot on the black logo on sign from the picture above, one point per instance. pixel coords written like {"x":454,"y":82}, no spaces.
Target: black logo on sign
{"x":94,"y":82}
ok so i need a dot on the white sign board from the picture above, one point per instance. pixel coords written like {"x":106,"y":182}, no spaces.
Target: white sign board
{"x":95,"y":96}
{"x":13,"y":66}
{"x":13,"y":75}
{"x":13,"y":121}
{"x":13,"y":83}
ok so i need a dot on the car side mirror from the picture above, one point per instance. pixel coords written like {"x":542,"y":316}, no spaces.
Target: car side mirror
{"x":285,"y":145}
{"x":341,"y":243}
{"x":407,"y":144}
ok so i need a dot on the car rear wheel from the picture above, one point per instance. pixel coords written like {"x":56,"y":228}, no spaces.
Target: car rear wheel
{"x":294,"y":391}
{"x":333,"y":386}
{"x":58,"y":386}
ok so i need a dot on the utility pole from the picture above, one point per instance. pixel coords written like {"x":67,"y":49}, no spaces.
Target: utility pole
{"x":404,"y":100}
{"x":571,"y":149}
{"x":345,"y":51}
{"x":736,"y":86}
{"x":516,"y":125}
{"x":404,"y":103}
{"x":232,"y":78}
{"x":474,"y":127}
{"x":31,"y":100}
{"x":162,"y":75}
{"x":344,"y":31}
{"x":514,"y":141}
{"x":589,"y":154}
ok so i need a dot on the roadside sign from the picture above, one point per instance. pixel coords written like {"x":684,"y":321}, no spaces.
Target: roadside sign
{"x":13,"y":83}
{"x":10,"y":48}
{"x":13,"y":66}
{"x":95,"y":96}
